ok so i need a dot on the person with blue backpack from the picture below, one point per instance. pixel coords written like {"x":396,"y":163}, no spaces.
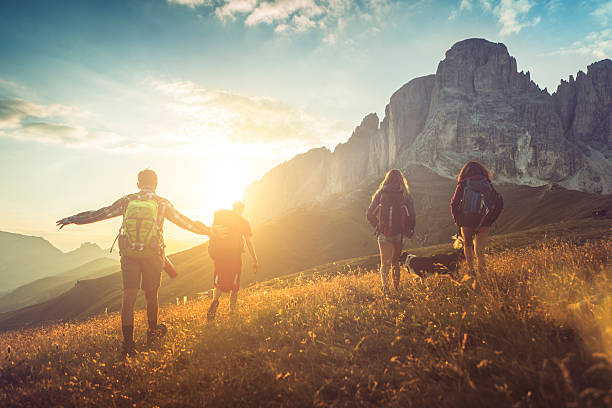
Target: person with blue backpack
{"x":475,"y":206}
{"x":391,"y":212}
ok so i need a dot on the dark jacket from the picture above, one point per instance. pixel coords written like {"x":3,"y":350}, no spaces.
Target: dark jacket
{"x":461,"y":220}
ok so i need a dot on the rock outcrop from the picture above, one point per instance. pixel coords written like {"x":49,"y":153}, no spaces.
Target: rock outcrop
{"x":584,"y":106}
{"x":477,"y":106}
{"x":483,"y":109}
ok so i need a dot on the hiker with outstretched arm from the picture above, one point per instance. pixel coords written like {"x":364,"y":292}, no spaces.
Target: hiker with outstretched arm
{"x":391,"y":212}
{"x":141,"y":247}
{"x":225,"y":249}
{"x":475,"y":206}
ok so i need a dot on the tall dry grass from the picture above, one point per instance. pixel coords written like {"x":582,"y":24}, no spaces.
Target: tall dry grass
{"x":535,"y":331}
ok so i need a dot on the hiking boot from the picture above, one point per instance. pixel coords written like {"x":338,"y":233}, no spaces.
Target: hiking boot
{"x":128,"y":348}
{"x":212,"y":311}
{"x":155,"y":334}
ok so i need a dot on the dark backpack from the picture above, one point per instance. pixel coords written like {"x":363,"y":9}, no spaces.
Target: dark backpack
{"x":229,"y":243}
{"x":392,"y":214}
{"x":478,"y":198}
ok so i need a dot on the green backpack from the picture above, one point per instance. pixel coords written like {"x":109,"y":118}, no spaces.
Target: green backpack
{"x":140,"y":235}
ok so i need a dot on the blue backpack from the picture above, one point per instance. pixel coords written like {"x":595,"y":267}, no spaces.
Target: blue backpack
{"x":478,"y":197}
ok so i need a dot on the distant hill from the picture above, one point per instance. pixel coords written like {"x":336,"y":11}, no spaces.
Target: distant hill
{"x":329,"y":231}
{"x":47,"y":288}
{"x":24,"y":259}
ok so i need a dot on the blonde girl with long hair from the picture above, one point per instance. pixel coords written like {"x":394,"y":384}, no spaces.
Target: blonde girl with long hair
{"x":474,"y":207}
{"x":391,"y":212}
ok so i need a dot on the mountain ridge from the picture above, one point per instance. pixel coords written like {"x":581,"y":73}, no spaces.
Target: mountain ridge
{"x":25,"y":258}
{"x":477,"y":106}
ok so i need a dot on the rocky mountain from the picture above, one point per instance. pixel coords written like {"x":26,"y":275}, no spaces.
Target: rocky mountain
{"x":24,"y":259}
{"x":477,"y":106}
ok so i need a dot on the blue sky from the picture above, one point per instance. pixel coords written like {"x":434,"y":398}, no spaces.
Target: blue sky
{"x":212,"y":93}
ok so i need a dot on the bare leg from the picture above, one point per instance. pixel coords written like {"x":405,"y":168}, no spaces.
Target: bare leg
{"x":480,"y":242}
{"x":152,"y":307}
{"x":397,"y":251}
{"x":233,"y":301}
{"x":212,"y":309}
{"x":468,"y":246}
{"x":127,"y":314}
{"x":386,"y":254}
{"x":216,"y":294}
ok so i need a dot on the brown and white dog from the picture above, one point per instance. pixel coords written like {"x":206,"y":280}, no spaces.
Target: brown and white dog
{"x":440,"y":263}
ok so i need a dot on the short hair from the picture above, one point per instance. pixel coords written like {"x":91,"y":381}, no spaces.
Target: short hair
{"x":147,"y":178}
{"x":238,"y":206}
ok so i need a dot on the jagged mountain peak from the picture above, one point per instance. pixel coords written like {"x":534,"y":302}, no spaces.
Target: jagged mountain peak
{"x":477,"y":106}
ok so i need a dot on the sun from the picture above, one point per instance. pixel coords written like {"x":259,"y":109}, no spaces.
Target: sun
{"x":225,"y":182}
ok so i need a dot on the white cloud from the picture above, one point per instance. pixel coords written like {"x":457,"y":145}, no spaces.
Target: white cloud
{"x":512,"y":15}
{"x":233,"y":7}
{"x":603,"y":13}
{"x":282,"y":11}
{"x":296,"y":16}
{"x":24,"y":120}
{"x":191,"y":3}
{"x":465,"y":5}
{"x":223,"y":116}
{"x":597,"y":44}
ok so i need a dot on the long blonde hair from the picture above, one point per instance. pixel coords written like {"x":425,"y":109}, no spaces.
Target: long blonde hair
{"x":394,"y":177}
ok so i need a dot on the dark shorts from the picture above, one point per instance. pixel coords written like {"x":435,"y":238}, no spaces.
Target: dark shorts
{"x":142,"y":273}
{"x":227,"y":273}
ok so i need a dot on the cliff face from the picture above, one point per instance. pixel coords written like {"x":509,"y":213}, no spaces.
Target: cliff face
{"x":585,"y":108}
{"x":476,"y":107}
{"x":483,"y":109}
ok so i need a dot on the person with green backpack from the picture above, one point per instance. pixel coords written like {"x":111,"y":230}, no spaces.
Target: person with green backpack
{"x":141,"y":247}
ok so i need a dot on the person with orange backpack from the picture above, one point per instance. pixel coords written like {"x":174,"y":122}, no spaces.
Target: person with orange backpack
{"x":475,"y":206}
{"x":141,"y":247}
{"x":225,"y":249}
{"x":392,"y":213}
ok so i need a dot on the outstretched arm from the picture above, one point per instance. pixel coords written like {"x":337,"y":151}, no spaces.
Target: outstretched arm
{"x":185,"y":222}
{"x":87,"y":217}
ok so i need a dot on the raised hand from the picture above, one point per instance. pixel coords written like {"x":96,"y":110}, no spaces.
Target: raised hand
{"x":63,"y":222}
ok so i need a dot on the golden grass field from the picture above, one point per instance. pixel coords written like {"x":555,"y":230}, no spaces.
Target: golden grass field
{"x":535,"y":331}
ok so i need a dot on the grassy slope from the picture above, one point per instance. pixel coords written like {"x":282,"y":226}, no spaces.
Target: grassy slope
{"x":512,"y":338}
